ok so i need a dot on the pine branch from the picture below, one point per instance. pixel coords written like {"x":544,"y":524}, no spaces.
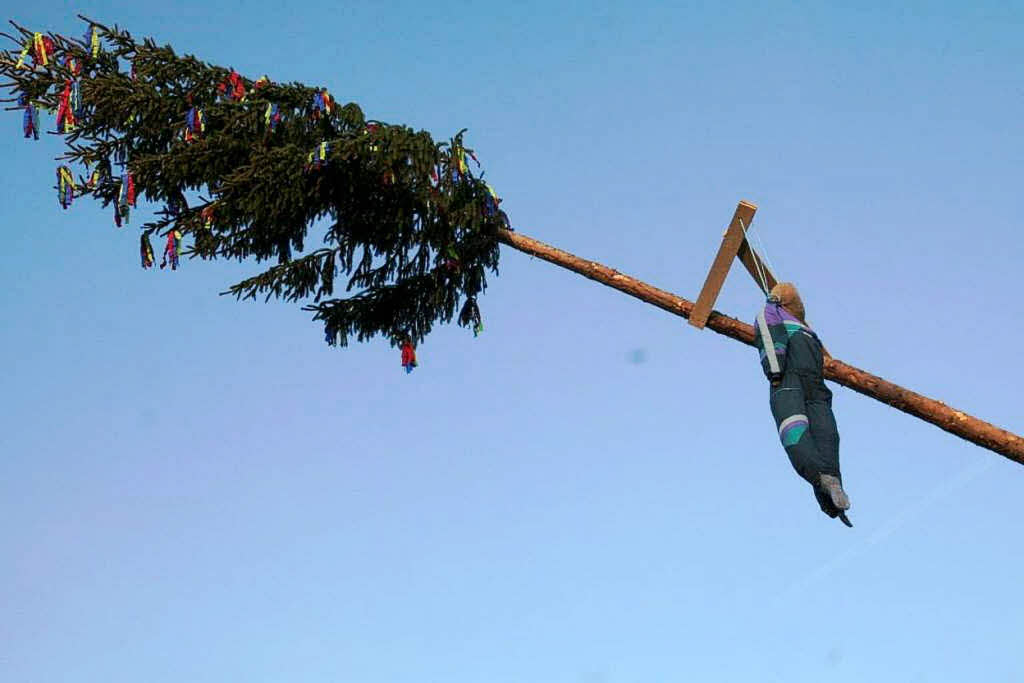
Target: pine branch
{"x":277,"y":161}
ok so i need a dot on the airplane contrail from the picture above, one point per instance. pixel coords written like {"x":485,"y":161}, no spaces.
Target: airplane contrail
{"x":889,"y":527}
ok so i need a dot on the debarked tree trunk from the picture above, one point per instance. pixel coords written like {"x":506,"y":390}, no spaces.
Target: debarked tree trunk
{"x":939,"y":414}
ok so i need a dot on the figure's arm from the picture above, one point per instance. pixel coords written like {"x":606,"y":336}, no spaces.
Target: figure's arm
{"x":771,"y":340}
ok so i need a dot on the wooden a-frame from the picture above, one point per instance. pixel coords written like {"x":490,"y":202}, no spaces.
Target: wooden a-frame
{"x":734,"y":245}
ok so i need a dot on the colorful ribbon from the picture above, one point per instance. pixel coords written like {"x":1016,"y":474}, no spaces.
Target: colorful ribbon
{"x":323,"y":104}
{"x":317,"y":159}
{"x":460,"y":161}
{"x":195,"y":124}
{"x":146,"y":251}
{"x":232,"y":87}
{"x":408,"y":356}
{"x":24,"y":53}
{"x":40,"y":47}
{"x":125,"y":199}
{"x":128,"y":189}
{"x":73,"y":65}
{"x":30,"y":121}
{"x":43,"y":47}
{"x":272,"y":117}
{"x":65,"y":110}
{"x":65,"y":187}
{"x":92,"y":38}
{"x":207,"y":216}
{"x":171,"y":250}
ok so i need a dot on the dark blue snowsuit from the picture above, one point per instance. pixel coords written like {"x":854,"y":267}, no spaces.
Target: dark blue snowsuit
{"x":793,"y":360}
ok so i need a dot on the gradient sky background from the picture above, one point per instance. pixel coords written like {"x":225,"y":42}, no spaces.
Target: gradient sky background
{"x":193,"y":489}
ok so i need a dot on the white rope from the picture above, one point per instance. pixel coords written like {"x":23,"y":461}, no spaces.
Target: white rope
{"x":757,"y":261}
{"x":762,"y":251}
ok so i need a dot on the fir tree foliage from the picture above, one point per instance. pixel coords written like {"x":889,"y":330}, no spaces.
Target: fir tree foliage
{"x":410,"y":232}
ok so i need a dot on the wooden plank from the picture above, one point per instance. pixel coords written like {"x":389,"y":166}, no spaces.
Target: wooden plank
{"x":731,"y":241}
{"x":751,"y":260}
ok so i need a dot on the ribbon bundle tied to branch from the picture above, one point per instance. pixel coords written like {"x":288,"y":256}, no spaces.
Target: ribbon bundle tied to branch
{"x":65,"y":187}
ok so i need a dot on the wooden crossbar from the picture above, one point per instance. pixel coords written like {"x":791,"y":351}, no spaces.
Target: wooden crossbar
{"x":734,"y":245}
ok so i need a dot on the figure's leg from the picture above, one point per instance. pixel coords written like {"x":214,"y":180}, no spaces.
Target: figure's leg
{"x":793,"y":423}
{"x":826,"y":436}
{"x":801,"y":424}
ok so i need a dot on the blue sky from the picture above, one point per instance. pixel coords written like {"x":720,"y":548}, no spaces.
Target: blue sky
{"x":197,"y":489}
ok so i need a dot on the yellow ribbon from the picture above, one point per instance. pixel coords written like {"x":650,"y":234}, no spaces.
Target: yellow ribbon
{"x":37,"y":41}
{"x":24,"y":53}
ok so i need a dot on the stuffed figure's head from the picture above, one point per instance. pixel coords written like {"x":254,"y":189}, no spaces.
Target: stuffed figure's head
{"x":789,"y":298}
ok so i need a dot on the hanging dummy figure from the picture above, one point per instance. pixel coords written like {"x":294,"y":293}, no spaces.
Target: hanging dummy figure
{"x":793,"y":360}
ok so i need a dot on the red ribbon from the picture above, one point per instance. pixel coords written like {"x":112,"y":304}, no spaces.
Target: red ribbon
{"x":408,"y":356}
{"x":65,"y":114}
{"x":233,"y":87}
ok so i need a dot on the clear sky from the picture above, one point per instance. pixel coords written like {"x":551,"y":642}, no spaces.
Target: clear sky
{"x":193,"y":489}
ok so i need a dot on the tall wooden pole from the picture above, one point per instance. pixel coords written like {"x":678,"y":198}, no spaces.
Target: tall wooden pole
{"x":965,"y":426}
